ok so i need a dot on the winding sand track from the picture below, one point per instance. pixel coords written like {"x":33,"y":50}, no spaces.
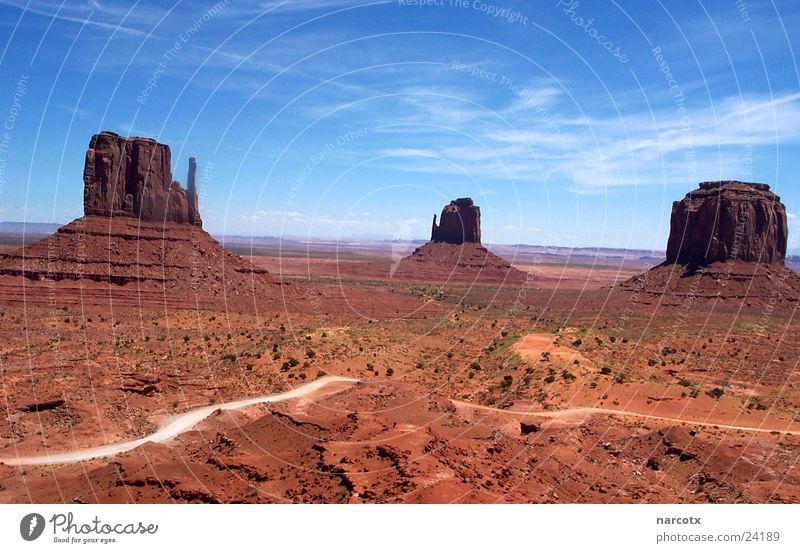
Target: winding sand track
{"x":178,"y":425}
{"x":174,"y":426}
{"x":584,"y":412}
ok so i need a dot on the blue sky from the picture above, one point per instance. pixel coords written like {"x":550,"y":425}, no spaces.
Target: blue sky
{"x":569,"y":123}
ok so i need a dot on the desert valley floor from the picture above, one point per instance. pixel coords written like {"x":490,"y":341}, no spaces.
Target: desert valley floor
{"x":563,"y":388}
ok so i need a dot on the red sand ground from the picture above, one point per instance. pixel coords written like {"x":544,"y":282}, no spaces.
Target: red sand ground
{"x":446,"y":370}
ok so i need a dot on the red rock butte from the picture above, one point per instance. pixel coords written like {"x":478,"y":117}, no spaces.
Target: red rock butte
{"x":454,"y":253}
{"x":460,"y":222}
{"x":132,"y":177}
{"x":141,"y":240}
{"x":727,"y":240}
{"x":728,"y":220}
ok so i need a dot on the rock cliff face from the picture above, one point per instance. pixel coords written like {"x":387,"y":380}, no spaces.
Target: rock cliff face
{"x":728,"y":221}
{"x":460,"y":222}
{"x":132,"y":177}
{"x":727,"y":242}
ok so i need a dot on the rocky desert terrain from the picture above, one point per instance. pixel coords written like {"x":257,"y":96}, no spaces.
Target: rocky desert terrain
{"x":454,"y":375}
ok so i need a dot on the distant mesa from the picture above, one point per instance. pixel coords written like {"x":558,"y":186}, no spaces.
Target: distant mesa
{"x":132,"y":177}
{"x":727,"y":240}
{"x":460,"y":222}
{"x":454,"y":253}
{"x":140,"y":227}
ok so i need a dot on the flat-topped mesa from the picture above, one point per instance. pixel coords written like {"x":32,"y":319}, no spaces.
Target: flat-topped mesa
{"x":459,"y":222}
{"x":728,"y":221}
{"x":132,"y":177}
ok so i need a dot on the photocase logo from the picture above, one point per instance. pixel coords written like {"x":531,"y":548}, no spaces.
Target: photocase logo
{"x":31,"y":526}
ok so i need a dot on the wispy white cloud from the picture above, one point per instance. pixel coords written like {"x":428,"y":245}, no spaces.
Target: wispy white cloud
{"x":108,"y":16}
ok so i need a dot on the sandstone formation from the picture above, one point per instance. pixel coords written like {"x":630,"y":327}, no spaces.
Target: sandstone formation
{"x":728,"y":221}
{"x":140,"y":228}
{"x":727,"y":242}
{"x":460,"y":222}
{"x":133,"y":177}
{"x":454,"y":253}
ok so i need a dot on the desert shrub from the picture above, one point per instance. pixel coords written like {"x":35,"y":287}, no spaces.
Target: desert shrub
{"x":449,"y":354}
{"x":302,"y":376}
{"x":685,"y":383}
{"x":619,"y":378}
{"x":389,"y":371}
{"x":229,"y":357}
{"x":566,"y":375}
{"x":577,"y":343}
{"x":550,"y":378}
{"x":310,"y":353}
{"x":507,"y":381}
{"x":605,"y":370}
{"x":475,"y":366}
{"x":249,"y":366}
{"x":293,"y":362}
{"x":420,"y":365}
{"x":321,"y":373}
{"x":185,"y":338}
{"x":652,"y":363}
{"x":716,"y":393}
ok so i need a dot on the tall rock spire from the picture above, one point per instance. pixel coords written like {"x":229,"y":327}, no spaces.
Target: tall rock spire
{"x":191,"y":194}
